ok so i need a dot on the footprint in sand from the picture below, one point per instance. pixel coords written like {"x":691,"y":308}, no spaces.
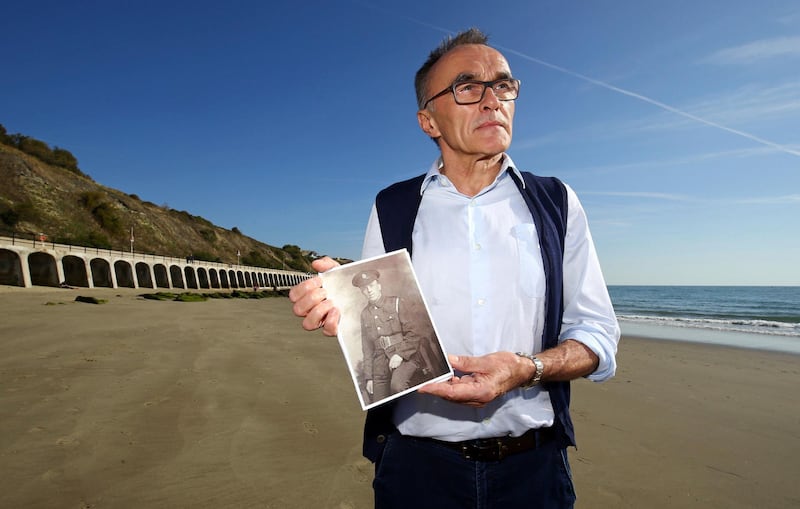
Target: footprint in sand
{"x":310,"y":428}
{"x":361,"y":471}
{"x":67,"y":442}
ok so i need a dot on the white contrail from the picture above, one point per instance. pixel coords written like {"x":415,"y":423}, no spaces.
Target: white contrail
{"x":648,"y":100}
{"x":605,"y":85}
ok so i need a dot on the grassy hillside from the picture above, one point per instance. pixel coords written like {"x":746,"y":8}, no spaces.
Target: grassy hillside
{"x":69,"y":207}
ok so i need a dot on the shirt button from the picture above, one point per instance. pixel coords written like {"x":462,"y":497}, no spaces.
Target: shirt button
{"x":481,"y":302}
{"x":477,"y":247}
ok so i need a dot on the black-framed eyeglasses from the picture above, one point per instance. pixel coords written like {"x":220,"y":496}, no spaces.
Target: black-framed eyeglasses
{"x":472,"y":91}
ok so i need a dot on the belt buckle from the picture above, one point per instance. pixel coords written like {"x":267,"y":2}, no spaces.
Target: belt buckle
{"x":484,"y":450}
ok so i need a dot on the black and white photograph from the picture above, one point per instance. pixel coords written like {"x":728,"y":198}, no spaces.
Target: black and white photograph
{"x":385,"y":331}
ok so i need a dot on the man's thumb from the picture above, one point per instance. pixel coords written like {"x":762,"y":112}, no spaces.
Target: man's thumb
{"x":324,"y":263}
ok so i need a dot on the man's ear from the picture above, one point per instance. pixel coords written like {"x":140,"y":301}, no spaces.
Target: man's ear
{"x":428,"y":124}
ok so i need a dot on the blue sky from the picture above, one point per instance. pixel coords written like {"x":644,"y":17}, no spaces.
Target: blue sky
{"x":678,"y":122}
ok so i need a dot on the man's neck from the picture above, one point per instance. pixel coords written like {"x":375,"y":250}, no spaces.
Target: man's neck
{"x":471,"y":174}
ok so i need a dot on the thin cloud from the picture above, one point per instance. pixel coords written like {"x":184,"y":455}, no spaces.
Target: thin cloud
{"x":675,"y":161}
{"x":622,"y":91}
{"x":748,"y":104}
{"x":773,"y":200}
{"x":656,"y":103}
{"x":756,"y":51}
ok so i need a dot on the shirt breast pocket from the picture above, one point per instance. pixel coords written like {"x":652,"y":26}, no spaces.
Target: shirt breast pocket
{"x":529,"y":259}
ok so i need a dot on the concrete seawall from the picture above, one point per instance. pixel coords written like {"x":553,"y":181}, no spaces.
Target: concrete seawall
{"x":31,"y":262}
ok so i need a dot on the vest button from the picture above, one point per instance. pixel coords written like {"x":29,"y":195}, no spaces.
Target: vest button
{"x":381,"y":438}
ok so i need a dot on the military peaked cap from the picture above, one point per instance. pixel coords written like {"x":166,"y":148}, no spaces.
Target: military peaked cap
{"x":365,"y":277}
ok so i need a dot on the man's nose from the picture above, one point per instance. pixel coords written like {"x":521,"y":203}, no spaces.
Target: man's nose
{"x":490,"y":100}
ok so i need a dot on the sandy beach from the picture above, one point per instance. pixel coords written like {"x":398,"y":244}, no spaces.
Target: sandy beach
{"x":228,"y":403}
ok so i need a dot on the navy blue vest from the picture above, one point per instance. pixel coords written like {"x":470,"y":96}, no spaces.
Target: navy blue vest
{"x":546,"y":197}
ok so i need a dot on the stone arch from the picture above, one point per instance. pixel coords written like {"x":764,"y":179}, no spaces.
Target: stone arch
{"x":101,"y":273}
{"x":143,"y":275}
{"x":160,"y":272}
{"x":124,"y":274}
{"x":10,"y":268}
{"x":232,"y":279}
{"x":223,"y":279}
{"x":240,"y":279}
{"x":202,"y":278}
{"x":248,"y":283}
{"x":214,"y":277}
{"x":177,"y":276}
{"x":191,"y":278}
{"x":42,"y":267}
{"x":75,"y":271}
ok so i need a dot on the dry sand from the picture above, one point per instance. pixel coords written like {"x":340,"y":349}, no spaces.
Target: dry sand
{"x":228,"y":403}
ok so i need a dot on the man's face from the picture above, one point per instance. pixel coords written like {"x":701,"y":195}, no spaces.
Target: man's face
{"x":372,"y":291}
{"x":482,"y":129}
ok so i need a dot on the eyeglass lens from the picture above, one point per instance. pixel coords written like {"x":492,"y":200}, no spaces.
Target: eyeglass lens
{"x":472,"y":91}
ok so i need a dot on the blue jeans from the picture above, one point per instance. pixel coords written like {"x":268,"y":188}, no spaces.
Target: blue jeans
{"x":423,"y":474}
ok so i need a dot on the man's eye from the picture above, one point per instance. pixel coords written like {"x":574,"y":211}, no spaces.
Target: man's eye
{"x":465,"y":87}
{"x":502,"y":85}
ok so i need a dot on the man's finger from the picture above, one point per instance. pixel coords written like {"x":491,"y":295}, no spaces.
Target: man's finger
{"x":324,"y":263}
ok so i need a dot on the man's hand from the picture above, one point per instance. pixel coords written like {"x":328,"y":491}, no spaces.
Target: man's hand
{"x":369,"y":387}
{"x":310,"y":301}
{"x":486,"y":378}
{"x":395,"y":361}
{"x":490,"y":376}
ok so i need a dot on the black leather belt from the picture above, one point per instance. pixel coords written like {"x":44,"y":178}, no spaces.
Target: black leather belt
{"x":495,"y":449}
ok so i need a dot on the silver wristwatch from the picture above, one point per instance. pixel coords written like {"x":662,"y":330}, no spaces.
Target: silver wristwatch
{"x":537,"y":376}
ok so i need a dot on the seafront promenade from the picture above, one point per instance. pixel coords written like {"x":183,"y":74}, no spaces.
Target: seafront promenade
{"x":28,"y":262}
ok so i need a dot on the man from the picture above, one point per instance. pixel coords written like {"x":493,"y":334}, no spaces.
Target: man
{"x":388,"y":339}
{"x":507,"y":265}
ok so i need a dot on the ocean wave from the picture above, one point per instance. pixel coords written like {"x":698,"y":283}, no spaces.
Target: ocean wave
{"x":737,"y":325}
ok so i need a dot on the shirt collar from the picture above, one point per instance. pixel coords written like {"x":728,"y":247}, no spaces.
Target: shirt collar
{"x":435,"y":171}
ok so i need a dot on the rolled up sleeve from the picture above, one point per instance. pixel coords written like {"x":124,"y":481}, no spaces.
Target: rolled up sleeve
{"x":588,"y":313}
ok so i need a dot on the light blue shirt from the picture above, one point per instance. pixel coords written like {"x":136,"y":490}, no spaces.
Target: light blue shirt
{"x":478,"y":263}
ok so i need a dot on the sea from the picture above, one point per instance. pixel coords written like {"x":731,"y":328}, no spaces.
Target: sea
{"x":760,"y":317}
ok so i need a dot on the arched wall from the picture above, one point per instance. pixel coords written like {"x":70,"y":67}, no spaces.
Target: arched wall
{"x":75,"y":271}
{"x":143,"y":275}
{"x":161,"y":275}
{"x":101,"y":273}
{"x":10,"y":268}
{"x":124,"y":273}
{"x":176,"y":276}
{"x":25,"y":263}
{"x":43,"y":269}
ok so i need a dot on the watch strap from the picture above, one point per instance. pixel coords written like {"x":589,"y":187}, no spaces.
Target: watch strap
{"x":537,"y":375}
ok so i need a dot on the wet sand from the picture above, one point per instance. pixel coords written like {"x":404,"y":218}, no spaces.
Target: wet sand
{"x":228,"y":403}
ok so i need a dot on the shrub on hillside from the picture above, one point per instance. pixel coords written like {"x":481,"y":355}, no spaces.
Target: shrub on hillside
{"x":9,"y":217}
{"x":42,"y":151}
{"x":255,"y":259}
{"x":102,"y":211}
